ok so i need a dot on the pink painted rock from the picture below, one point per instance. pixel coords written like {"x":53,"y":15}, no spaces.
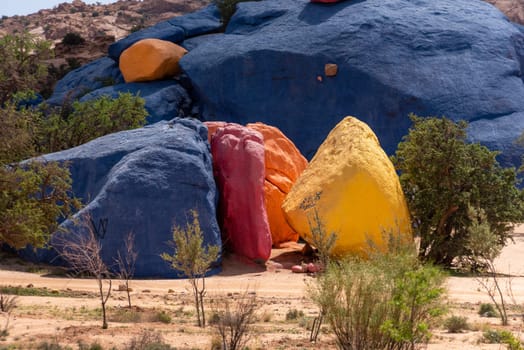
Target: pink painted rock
{"x":311,"y":267}
{"x":284,"y":164}
{"x":239,"y":168}
{"x":297,"y":269}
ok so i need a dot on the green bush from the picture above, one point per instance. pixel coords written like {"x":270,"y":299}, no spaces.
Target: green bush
{"x":294,"y":314}
{"x":386,"y":302}
{"x":444,"y":177}
{"x":72,"y":39}
{"x":162,"y":317}
{"x":227,"y":9}
{"x":495,"y":336}
{"x":456,"y":324}
{"x":148,"y":340}
{"x":487,"y":310}
{"x":83,"y":121}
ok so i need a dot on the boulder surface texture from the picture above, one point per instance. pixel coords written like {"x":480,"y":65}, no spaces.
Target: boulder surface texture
{"x":151,"y":59}
{"x":284,"y":164}
{"x":353,"y":188}
{"x":457,"y":58}
{"x":238,"y":160}
{"x":144,"y":181}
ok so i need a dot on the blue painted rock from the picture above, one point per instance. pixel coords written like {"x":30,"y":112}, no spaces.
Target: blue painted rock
{"x":206,"y":20}
{"x":164,"y":99}
{"x":144,"y":181}
{"x":92,"y":76}
{"x":456,"y":58}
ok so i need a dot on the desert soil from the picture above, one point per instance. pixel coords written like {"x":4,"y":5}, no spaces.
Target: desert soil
{"x":71,"y":315}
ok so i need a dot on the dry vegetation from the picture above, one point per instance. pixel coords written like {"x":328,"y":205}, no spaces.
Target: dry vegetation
{"x":56,"y":308}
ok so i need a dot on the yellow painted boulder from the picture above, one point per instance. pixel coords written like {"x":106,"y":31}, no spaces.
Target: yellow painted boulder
{"x":352,"y":185}
{"x":151,"y":59}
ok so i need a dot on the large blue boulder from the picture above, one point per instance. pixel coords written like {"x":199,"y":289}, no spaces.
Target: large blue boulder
{"x":164,"y":100}
{"x":92,"y":76}
{"x":142,"y":181}
{"x":204,"y":21}
{"x":458,"y":58}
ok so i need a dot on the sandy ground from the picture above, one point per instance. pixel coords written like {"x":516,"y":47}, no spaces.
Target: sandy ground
{"x":68,"y":320}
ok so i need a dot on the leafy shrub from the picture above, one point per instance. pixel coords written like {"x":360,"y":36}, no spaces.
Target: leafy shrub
{"x":443,"y":176}
{"x":227,"y":9}
{"x":456,"y":324}
{"x":148,"y":340}
{"x":84,"y":121}
{"x":162,"y":317}
{"x":294,"y":314}
{"x":487,"y":310}
{"x":386,"y":302}
{"x":494,"y":336}
{"x":72,"y":39}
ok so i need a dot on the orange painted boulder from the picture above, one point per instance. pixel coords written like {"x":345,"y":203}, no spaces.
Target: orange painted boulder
{"x":212,"y":128}
{"x":284,"y":164}
{"x":151,"y":59}
{"x":239,"y":169}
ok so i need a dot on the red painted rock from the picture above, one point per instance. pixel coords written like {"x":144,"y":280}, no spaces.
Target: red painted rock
{"x":239,"y":168}
{"x":284,"y":164}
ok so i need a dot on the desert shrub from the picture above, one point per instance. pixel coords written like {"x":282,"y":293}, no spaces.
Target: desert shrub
{"x":487,"y":310}
{"x":193,"y":259}
{"x":443,"y":177}
{"x":125,"y":315}
{"x":21,"y":63}
{"x":84,"y":121}
{"x":495,"y":336}
{"x":162,"y":317}
{"x":456,"y":324}
{"x":72,"y":39}
{"x":148,"y":340}
{"x":92,"y":346}
{"x":234,"y":319}
{"x":386,"y":302}
{"x":227,"y":9}
{"x":294,"y":314}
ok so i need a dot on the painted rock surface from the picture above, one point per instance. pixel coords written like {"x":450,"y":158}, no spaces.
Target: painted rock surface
{"x":353,"y":187}
{"x":238,"y":162}
{"x":142,"y":181}
{"x":284,"y":164}
{"x":151,"y":59}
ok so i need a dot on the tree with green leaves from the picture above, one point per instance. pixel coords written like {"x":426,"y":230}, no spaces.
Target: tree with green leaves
{"x":21,"y":63}
{"x":83,"y":121}
{"x":193,"y":259}
{"x":443,"y":176}
{"x":33,"y":197}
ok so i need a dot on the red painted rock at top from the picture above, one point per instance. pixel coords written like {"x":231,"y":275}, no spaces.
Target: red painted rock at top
{"x":239,"y":168}
{"x":284,"y":164}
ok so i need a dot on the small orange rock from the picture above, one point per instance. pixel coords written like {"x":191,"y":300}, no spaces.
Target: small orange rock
{"x":330,"y":69}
